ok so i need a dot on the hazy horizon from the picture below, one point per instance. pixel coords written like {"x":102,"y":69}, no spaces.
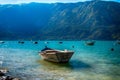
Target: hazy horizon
{"x":45,"y":1}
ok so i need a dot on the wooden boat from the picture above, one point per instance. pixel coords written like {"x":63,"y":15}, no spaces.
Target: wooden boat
{"x":90,"y":43}
{"x":56,"y":55}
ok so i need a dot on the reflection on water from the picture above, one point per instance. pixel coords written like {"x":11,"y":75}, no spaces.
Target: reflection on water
{"x":96,"y":62}
{"x":72,"y":65}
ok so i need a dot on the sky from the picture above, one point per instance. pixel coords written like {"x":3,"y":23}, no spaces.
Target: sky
{"x":43,"y":1}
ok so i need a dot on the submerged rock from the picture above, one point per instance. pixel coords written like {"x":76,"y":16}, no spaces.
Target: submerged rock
{"x":8,"y":78}
{"x":3,"y":75}
{"x":16,"y":79}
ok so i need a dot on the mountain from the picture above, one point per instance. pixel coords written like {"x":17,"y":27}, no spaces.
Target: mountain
{"x":99,"y":20}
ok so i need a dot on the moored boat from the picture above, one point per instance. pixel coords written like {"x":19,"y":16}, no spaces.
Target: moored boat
{"x":46,"y":42}
{"x":21,"y":42}
{"x":90,"y":43}
{"x":56,"y":55}
{"x":60,"y":42}
{"x":35,"y":42}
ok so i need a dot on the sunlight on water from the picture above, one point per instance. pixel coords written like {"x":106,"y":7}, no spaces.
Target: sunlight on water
{"x":96,"y":62}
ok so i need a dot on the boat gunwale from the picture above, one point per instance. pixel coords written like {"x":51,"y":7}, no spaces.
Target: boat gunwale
{"x":56,"y":51}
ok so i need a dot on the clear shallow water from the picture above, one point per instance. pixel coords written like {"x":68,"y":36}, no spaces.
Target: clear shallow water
{"x":88,"y":63}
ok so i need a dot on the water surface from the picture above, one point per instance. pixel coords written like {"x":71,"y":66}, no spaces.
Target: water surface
{"x":96,"y":62}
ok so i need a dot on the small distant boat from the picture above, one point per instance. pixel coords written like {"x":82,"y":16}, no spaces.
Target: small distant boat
{"x":35,"y":42}
{"x":21,"y":42}
{"x":56,"y":55}
{"x":73,"y":46}
{"x":112,"y":49}
{"x":1,"y":42}
{"x":60,"y":42}
{"x":46,"y":42}
{"x":90,"y":43}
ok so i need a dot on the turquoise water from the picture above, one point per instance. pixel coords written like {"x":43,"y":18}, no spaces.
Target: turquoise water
{"x":96,"y":62}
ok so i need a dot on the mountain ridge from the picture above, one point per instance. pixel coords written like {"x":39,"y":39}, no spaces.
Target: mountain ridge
{"x":97,"y":20}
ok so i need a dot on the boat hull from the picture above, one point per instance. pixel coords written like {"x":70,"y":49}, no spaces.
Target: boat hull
{"x":90,"y":44}
{"x":60,"y":57}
